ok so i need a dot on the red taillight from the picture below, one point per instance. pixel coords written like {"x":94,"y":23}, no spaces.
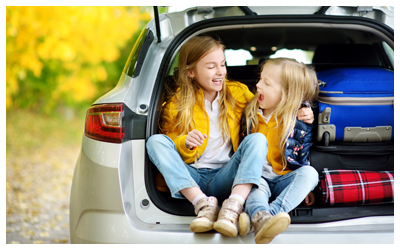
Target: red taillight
{"x":104,"y":123}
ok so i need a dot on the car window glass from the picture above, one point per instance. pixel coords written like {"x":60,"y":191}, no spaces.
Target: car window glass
{"x":238,"y":57}
{"x":174,"y":64}
{"x":389,"y":51}
{"x":298,"y":54}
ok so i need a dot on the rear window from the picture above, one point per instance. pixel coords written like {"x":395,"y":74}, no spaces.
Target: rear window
{"x":243,"y":57}
{"x":298,"y":54}
{"x":238,"y":57}
{"x":389,"y":51}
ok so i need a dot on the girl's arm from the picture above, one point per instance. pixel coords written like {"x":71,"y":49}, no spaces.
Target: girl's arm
{"x":310,"y":199}
{"x":303,"y":154}
{"x":167,"y":127}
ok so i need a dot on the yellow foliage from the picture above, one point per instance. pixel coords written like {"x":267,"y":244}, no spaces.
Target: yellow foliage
{"x":74,"y":38}
{"x":101,"y":73}
{"x":80,"y":87}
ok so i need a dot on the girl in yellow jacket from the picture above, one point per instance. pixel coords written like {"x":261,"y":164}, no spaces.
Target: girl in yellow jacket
{"x":288,"y":179}
{"x":198,"y":152}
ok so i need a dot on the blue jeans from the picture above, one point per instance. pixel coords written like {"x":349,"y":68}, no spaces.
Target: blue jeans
{"x":286,"y":191}
{"x":244,"y":167}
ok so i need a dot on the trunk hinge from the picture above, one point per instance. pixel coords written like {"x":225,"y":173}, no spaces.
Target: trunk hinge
{"x":322,"y":10}
{"x":363,"y":10}
{"x":247,"y":11}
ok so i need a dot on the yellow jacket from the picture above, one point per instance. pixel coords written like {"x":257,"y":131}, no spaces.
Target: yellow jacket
{"x":242,"y":95}
{"x":272,"y":133}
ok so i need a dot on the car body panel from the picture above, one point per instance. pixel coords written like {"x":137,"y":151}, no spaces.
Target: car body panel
{"x":114,"y":228}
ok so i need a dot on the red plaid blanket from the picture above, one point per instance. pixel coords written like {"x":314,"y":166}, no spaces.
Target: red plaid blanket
{"x":353,"y":187}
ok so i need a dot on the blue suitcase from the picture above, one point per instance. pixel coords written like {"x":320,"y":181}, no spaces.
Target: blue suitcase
{"x":356,"y":105}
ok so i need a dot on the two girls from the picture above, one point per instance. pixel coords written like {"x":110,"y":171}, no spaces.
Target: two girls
{"x":200,"y":127}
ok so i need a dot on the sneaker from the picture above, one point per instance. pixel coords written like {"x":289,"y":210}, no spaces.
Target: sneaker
{"x":206,"y":210}
{"x":228,"y":217}
{"x":266,"y":226}
{"x":245,"y":226}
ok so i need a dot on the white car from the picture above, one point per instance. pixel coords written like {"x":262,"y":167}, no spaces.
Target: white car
{"x":114,"y":198}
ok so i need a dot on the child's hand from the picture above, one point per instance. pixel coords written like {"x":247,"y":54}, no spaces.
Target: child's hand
{"x":306,"y":115}
{"x":194,"y":138}
{"x":310,"y":199}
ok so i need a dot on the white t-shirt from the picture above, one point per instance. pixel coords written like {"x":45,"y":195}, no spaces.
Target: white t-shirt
{"x":217,"y":153}
{"x":267,"y":171}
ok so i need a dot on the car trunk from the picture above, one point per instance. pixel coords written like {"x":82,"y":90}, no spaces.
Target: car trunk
{"x":267,"y":34}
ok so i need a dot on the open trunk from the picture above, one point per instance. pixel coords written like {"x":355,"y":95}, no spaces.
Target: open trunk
{"x":262,"y":36}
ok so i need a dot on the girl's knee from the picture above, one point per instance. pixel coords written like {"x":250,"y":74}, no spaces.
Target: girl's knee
{"x":155,"y":140}
{"x":258,"y":138}
{"x":311,"y":174}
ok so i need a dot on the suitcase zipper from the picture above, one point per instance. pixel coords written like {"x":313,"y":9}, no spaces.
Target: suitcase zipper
{"x":356,"y":101}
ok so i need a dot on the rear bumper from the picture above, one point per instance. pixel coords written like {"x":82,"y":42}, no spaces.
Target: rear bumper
{"x":97,"y":212}
{"x":106,"y":227}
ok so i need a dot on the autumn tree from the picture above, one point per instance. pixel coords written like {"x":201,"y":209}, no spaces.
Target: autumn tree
{"x":63,"y":56}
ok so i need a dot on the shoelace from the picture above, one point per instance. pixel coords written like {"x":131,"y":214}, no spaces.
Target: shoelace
{"x":207,"y":212}
{"x":229,"y":214}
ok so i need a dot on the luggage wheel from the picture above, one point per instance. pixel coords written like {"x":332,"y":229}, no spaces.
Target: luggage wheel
{"x":325,"y":139}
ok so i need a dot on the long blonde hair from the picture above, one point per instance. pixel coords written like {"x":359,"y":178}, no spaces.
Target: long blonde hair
{"x":188,"y":89}
{"x":299,"y":83}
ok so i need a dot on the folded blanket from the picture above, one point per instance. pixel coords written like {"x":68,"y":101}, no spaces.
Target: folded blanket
{"x":353,"y":187}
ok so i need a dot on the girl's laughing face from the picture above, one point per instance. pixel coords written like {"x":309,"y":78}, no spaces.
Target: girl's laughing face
{"x":210,"y":73}
{"x":269,"y":88}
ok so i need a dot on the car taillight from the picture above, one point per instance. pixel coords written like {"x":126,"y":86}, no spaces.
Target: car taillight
{"x":104,"y":123}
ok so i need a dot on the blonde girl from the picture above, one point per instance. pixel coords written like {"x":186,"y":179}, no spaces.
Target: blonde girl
{"x":200,"y":132}
{"x":284,"y":87}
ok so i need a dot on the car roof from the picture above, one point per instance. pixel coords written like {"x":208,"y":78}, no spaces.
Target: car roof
{"x":384,"y":14}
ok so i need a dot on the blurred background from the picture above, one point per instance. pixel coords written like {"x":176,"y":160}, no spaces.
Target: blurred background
{"x":59,"y":60}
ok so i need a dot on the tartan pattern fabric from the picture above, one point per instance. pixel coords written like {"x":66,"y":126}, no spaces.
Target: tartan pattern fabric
{"x":354,"y":187}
